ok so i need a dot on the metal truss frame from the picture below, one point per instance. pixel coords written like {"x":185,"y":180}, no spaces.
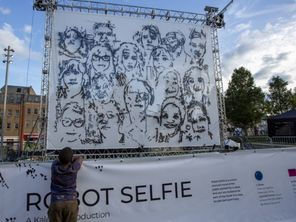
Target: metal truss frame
{"x":48,"y":6}
{"x":126,"y":153}
{"x":91,"y":6}
{"x":219,"y":84}
{"x":214,"y":24}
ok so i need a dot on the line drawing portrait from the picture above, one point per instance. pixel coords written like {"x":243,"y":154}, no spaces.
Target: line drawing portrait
{"x":171,"y":119}
{"x":138,"y":95}
{"x":72,"y":120}
{"x":109,"y":120}
{"x":168,"y":85}
{"x":199,"y":121}
{"x":100,"y":74}
{"x":103,"y":34}
{"x":71,"y":79}
{"x":73,"y":43}
{"x":147,"y":39}
{"x":175,"y":44}
{"x":161,"y":61}
{"x":196,"y":47}
{"x":170,"y":82}
{"x":194,"y":85}
{"x":126,"y":85}
{"x":101,"y":89}
{"x":129,"y":63}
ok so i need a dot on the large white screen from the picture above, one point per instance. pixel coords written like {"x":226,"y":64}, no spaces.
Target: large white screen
{"x":122,"y":82}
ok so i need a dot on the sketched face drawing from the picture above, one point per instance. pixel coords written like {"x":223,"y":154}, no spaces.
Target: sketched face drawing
{"x":174,"y":40}
{"x":72,"y":120}
{"x":137,"y":95}
{"x":171,"y":117}
{"x":107,"y":119}
{"x":102,"y":88}
{"x":150,"y":37}
{"x":104,"y":34}
{"x":161,"y":59}
{"x":72,"y":40}
{"x":101,"y":59}
{"x":129,"y":59}
{"x":198,"y":119}
{"x":197,"y":44}
{"x":172,"y":84}
{"x":72,"y":76}
{"x":193,"y":80}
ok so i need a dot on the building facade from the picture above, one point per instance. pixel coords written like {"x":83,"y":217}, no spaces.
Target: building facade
{"x":23,"y":119}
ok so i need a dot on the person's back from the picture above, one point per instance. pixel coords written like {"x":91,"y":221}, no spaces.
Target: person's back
{"x":64,"y":205}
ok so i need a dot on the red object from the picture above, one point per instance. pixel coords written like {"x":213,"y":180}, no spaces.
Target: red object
{"x":292,"y":172}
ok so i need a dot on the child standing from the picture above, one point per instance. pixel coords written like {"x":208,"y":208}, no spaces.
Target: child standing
{"x":64,"y":205}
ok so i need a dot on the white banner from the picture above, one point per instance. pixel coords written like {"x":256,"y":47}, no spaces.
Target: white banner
{"x":126,"y":82}
{"x":241,"y":186}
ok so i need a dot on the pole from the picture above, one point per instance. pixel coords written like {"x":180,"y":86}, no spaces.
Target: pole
{"x":7,"y":61}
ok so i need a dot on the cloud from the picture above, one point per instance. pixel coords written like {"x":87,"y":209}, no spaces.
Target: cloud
{"x":242,"y":26}
{"x":244,"y":13}
{"x":20,"y":46}
{"x":27,"y":29}
{"x":267,"y":52}
{"x":4,"y":11}
{"x":269,"y":63}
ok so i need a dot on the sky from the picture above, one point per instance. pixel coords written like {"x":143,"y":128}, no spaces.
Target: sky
{"x":259,"y":35}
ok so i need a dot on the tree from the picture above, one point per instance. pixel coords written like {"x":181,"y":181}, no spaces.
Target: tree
{"x":279,"y":99}
{"x":244,"y":101}
{"x":294,"y":99}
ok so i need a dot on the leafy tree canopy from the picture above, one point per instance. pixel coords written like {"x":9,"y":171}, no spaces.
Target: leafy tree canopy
{"x":243,"y":100}
{"x":279,"y":99}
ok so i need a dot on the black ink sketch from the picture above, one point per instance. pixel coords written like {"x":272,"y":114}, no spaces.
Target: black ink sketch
{"x":106,"y":87}
{"x":168,"y":85}
{"x":161,"y":61}
{"x":171,"y":119}
{"x":72,"y":120}
{"x":147,"y":39}
{"x":93,"y":134}
{"x":99,"y":60}
{"x":129,"y":63}
{"x":174,"y":42}
{"x":3,"y":182}
{"x":196,"y":47}
{"x":194,"y":85}
{"x":103,"y":34}
{"x":101,"y":89}
{"x":170,"y":82}
{"x":71,"y":79}
{"x":109,"y":119}
{"x":198,"y":120}
{"x":100,"y":68}
{"x":138,"y":95}
{"x":206,"y":99}
{"x":73,"y":43}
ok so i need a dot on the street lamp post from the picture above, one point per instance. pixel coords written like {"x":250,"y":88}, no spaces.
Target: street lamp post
{"x":7,"y":60}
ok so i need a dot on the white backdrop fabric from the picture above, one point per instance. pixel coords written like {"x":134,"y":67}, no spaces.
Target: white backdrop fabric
{"x":241,"y":186}
{"x":124,"y":82}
